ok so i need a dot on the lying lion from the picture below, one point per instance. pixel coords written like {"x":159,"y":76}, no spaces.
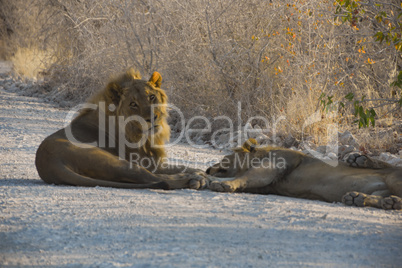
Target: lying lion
{"x":272,"y":170}
{"x":124,"y":121}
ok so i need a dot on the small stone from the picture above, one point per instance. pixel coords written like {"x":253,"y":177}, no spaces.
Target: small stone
{"x":332,"y":156}
{"x":322,"y":149}
{"x":347,"y":138}
{"x":343,"y":150}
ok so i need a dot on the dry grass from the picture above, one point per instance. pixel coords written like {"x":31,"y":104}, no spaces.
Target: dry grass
{"x":275,"y":57}
{"x":31,"y":62}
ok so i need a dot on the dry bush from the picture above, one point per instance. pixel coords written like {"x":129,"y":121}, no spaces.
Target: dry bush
{"x":275,"y":57}
{"x":34,"y":34}
{"x":30,"y":62}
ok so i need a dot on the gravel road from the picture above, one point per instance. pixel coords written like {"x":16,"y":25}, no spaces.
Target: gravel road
{"x":59,"y":226}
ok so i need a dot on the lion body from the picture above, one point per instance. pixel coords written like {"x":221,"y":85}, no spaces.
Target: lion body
{"x":96,"y":148}
{"x":294,"y":174}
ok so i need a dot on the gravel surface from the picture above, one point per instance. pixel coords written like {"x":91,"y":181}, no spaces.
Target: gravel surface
{"x":59,"y":226}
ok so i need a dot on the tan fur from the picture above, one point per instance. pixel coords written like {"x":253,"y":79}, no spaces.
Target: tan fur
{"x":60,"y":160}
{"x":302,"y":176}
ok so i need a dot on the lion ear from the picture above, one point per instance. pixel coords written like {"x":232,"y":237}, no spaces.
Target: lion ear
{"x":156,"y":79}
{"x":249,"y":145}
{"x":114,"y":92}
{"x":133,"y":74}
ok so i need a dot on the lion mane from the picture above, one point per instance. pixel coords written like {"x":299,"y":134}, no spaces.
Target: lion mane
{"x":114,"y":97}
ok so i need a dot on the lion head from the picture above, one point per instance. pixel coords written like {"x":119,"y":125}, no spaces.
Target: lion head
{"x":233,"y":164}
{"x":138,"y":109}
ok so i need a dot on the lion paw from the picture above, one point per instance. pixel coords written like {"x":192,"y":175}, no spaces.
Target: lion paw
{"x":391,"y":202}
{"x":198,"y":181}
{"x":354,"y":199}
{"x":223,"y":186}
{"x":358,"y":160}
{"x":364,"y":161}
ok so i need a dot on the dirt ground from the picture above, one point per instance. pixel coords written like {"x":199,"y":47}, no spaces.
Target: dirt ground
{"x":59,"y":226}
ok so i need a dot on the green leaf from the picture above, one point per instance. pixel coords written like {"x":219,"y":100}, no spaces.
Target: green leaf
{"x":350,"y":96}
{"x":400,"y":75}
{"x":337,"y":11}
{"x":356,"y":105}
{"x":322,"y":96}
{"x":398,"y":82}
{"x":382,"y":13}
{"x":330,"y":100}
{"x":361,"y":112}
{"x":361,"y":123}
{"x":380,"y":36}
{"x":372,"y":122}
{"x":372,"y":113}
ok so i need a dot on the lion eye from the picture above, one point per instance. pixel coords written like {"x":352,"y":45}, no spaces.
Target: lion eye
{"x":133,"y":105}
{"x":152,"y":97}
{"x":221,"y":170}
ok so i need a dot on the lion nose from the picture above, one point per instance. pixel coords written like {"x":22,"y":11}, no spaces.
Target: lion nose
{"x":149,"y":120}
{"x":208,"y":170}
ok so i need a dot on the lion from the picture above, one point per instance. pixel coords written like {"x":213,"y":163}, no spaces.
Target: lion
{"x":273,"y":170}
{"x":125,"y":121}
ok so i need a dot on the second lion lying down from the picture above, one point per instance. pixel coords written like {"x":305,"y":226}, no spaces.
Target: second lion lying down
{"x":273,"y":170}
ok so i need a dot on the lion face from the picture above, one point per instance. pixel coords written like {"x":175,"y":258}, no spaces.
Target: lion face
{"x":224,"y":169}
{"x":142,"y":104}
{"x":145,"y":105}
{"x":233,"y":164}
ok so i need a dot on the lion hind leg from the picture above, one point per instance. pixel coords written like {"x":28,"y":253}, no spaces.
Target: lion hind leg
{"x":394,"y":182}
{"x":253,"y":180}
{"x":196,"y":181}
{"x":69,"y":177}
{"x":391,"y":202}
{"x":224,"y":186}
{"x":378,"y":201}
{"x":363,"y":161}
{"x":110,"y":171}
{"x":361,"y":200}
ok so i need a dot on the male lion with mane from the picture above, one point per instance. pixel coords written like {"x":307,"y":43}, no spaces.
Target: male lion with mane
{"x":273,"y":170}
{"x":91,"y":153}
